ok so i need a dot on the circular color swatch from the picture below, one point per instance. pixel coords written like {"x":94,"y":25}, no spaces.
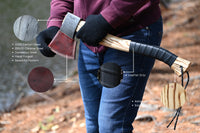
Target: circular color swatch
{"x":26,"y":28}
{"x":40,"y":79}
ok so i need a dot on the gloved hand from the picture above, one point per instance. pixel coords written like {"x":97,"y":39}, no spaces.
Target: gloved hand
{"x":94,"y":30}
{"x":43,"y":40}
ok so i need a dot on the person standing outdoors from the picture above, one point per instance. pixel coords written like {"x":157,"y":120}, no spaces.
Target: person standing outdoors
{"x":109,"y":110}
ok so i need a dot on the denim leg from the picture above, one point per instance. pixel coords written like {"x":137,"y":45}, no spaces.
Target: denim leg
{"x":119,"y":105}
{"x":88,"y":64}
{"x":112,"y":110}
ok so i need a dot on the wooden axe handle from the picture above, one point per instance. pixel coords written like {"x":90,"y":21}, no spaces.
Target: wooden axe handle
{"x":124,"y":45}
{"x":111,"y":41}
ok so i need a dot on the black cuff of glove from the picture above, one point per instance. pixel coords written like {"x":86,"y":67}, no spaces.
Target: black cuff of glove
{"x":43,"y":40}
{"x":102,"y":21}
{"x":94,"y":30}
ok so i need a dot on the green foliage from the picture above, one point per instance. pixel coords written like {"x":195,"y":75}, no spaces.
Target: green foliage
{"x":47,"y":123}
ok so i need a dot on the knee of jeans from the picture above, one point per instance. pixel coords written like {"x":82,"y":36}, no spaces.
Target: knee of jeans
{"x":92,"y":127}
{"x":91,"y":117}
{"x":114,"y":127}
{"x":108,"y":125}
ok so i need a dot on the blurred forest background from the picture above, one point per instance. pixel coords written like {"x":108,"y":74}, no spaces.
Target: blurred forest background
{"x":60,"y":110}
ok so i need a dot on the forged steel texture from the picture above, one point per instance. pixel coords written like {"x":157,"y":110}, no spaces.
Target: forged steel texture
{"x":26,"y":28}
{"x":70,"y":24}
{"x":155,"y":52}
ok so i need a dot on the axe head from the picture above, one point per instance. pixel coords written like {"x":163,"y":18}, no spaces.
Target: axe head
{"x":63,"y":43}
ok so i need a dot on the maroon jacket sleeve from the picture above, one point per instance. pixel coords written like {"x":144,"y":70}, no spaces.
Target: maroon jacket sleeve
{"x":120,"y":11}
{"x":59,"y":8}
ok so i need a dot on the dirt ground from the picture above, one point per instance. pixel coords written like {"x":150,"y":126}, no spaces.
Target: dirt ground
{"x":60,"y":110}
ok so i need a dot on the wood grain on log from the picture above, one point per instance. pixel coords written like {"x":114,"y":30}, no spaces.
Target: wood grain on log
{"x":173,"y":96}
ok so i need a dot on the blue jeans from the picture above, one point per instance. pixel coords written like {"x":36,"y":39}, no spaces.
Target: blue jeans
{"x":112,"y":110}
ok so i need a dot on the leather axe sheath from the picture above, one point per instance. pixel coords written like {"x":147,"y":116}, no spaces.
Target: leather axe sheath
{"x":63,"y":44}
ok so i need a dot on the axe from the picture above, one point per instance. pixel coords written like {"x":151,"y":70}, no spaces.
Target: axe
{"x":63,"y":44}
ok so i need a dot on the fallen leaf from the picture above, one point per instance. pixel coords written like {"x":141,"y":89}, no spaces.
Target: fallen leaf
{"x":55,"y":127}
{"x":35,"y":129}
{"x":82,"y":125}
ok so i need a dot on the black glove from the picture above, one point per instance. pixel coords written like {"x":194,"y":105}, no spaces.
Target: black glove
{"x":94,"y":30}
{"x":43,"y":40}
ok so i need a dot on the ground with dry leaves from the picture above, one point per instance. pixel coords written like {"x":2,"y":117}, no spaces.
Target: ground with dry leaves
{"x":60,"y":110}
